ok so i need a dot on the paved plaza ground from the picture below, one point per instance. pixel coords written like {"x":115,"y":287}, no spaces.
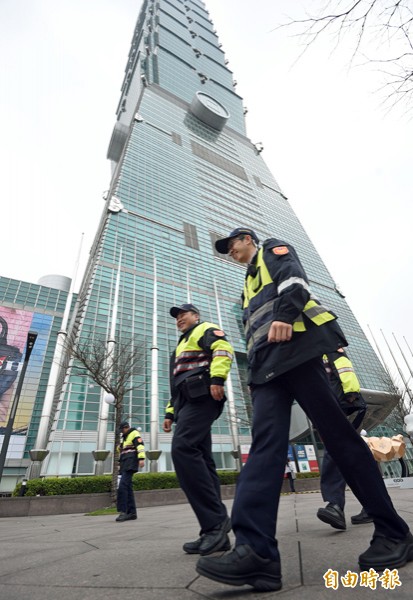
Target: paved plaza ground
{"x":78,"y":557}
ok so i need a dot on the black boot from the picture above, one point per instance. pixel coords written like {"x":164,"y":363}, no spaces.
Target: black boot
{"x":361,"y":518}
{"x":217,"y":539}
{"x":387,"y":553}
{"x":194,"y":547}
{"x":242,"y":566}
{"x":122,"y":517}
{"x":333,"y":515}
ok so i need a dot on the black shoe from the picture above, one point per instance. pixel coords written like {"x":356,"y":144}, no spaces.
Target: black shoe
{"x":387,"y":553}
{"x":122,"y":517}
{"x":193,"y":547}
{"x":215,"y":540}
{"x":127,"y":517}
{"x":333,"y":515}
{"x":361,"y":518}
{"x":242,"y":566}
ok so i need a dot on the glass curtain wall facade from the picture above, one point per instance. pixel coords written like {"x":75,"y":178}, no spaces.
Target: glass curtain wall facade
{"x":183,"y":173}
{"x":25,"y":306}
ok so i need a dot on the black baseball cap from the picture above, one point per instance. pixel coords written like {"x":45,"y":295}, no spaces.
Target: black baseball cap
{"x":124,"y":424}
{"x":222,"y":245}
{"x":175,"y":310}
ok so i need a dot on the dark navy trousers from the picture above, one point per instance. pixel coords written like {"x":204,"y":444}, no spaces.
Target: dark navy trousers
{"x":332,"y":483}
{"x":125,"y":498}
{"x":254,"y":513}
{"x":193,"y":461}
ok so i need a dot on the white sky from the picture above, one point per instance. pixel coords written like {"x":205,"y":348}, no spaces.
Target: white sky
{"x":343,"y":161}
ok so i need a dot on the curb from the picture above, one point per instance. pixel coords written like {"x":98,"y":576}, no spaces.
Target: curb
{"x":30,"y":506}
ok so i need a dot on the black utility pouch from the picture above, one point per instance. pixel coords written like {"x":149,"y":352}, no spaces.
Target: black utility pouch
{"x":197,"y":386}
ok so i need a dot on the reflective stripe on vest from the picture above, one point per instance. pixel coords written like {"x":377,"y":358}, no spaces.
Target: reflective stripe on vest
{"x":189,"y":354}
{"x":258,"y":323}
{"x":348,"y":378}
{"x":127,"y":446}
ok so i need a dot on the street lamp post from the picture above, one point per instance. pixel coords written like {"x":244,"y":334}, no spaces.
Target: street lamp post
{"x":31,"y":338}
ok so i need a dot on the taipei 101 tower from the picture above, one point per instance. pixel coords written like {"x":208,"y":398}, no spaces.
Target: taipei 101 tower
{"x":183,"y":174}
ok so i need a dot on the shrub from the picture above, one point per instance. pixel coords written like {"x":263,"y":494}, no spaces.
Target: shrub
{"x":309,"y":475}
{"x":62,"y":486}
{"x":98,"y":484}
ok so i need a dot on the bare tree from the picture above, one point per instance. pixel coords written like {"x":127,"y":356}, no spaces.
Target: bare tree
{"x":381,"y":27}
{"x":114,"y":369}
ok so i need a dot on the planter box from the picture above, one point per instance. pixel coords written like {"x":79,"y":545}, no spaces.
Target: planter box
{"x":30,"y":506}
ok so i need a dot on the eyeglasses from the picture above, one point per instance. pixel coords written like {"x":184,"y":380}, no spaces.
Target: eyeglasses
{"x":232,"y":242}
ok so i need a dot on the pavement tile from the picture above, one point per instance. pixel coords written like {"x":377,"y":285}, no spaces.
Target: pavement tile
{"x":78,"y":557}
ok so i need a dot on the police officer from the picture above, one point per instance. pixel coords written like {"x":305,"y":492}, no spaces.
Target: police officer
{"x":199,"y":368}
{"x":346,"y":387}
{"x":131,"y":457}
{"x":287,"y":332}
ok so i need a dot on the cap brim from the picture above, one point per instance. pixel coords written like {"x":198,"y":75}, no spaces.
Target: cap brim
{"x":175,"y":310}
{"x":222,"y":245}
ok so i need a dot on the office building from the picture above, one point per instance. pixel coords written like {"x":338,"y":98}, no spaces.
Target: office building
{"x":184,"y":172}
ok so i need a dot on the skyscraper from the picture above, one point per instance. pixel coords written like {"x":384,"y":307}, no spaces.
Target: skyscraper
{"x":27,"y":307}
{"x":183,"y":173}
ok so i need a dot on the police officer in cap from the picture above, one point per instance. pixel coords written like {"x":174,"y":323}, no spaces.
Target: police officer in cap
{"x":199,"y":367}
{"x":287,"y":332}
{"x":131,"y":457}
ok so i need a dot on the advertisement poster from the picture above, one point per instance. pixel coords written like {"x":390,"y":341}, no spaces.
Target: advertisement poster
{"x":312,"y":458}
{"x":14,"y":327}
{"x":245,"y":450}
{"x":306,"y":458}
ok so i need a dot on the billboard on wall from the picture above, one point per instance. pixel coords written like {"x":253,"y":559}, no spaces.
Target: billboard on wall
{"x":14,"y":327}
{"x":306,"y":458}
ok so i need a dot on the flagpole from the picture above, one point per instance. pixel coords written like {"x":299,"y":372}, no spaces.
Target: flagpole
{"x":154,"y":453}
{"x":39,"y":452}
{"x":101,"y":452}
{"x":232,"y":414}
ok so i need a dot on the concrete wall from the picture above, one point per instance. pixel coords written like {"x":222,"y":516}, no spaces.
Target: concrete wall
{"x":30,"y":506}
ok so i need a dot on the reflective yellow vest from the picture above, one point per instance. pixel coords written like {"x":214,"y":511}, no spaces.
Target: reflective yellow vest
{"x":127,"y":445}
{"x":189,"y":355}
{"x":257,"y":324}
{"x":344,"y":369}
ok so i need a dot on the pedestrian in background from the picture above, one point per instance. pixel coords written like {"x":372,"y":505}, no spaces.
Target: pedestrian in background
{"x":290,"y":473}
{"x":131,"y":458}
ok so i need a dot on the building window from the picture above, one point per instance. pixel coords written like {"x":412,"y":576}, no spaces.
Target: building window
{"x":191,"y":236}
{"x":214,"y":238}
{"x":176,"y":138}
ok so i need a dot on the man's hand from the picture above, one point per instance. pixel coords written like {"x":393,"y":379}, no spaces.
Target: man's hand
{"x":217,"y":392}
{"x":167,"y":425}
{"x":280,"y":332}
{"x":141,"y":463}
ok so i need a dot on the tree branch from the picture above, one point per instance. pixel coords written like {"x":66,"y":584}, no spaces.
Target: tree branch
{"x":367,"y":20}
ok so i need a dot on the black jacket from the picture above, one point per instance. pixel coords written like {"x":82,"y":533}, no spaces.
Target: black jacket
{"x":131,"y":450}
{"x":289,"y":276}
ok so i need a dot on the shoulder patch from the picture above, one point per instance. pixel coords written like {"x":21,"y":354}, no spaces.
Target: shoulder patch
{"x":219,"y":332}
{"x":280,"y":250}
